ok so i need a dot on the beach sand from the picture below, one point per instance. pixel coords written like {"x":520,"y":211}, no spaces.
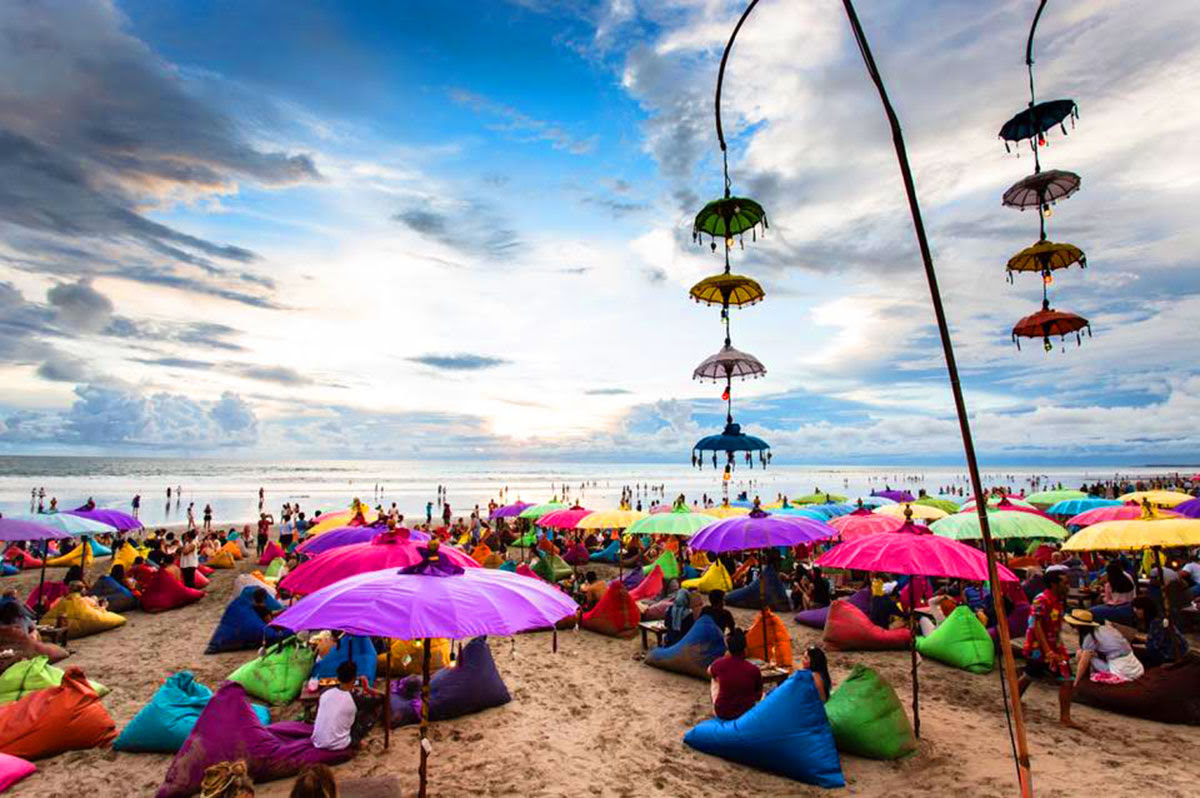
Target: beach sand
{"x":591,"y":720}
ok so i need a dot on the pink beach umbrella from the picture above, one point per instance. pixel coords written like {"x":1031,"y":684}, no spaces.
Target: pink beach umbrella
{"x":563,"y":519}
{"x":1121,"y":512}
{"x":857,"y":525}
{"x":384,"y":551}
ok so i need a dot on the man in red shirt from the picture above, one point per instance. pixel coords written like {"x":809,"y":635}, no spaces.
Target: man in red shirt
{"x":737,"y":684}
{"x":1044,"y":652}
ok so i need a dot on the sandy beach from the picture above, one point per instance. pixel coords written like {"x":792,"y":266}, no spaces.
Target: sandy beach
{"x":593,"y":720}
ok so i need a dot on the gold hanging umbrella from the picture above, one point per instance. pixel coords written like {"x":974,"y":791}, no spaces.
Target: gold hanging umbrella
{"x":727,"y":290}
{"x":1044,"y":257}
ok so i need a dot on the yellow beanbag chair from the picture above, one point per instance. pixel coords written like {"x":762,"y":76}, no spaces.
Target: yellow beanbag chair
{"x":82,"y":616}
{"x":779,"y":652}
{"x":699,"y":560}
{"x":70,"y":558}
{"x":232,"y":549}
{"x":126,"y":555}
{"x":715,"y":578}
{"x":222,"y":559}
{"x":406,"y":657}
{"x":493,"y":560}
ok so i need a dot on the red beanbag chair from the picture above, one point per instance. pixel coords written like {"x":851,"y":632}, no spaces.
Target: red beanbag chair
{"x":270,"y":553}
{"x":47,"y":593}
{"x":199,"y":580}
{"x":204,"y":569}
{"x":164,"y":592}
{"x":615,"y":615}
{"x":12,"y":770}
{"x":524,"y":570}
{"x":849,"y":629}
{"x":649,"y":588}
{"x":46,"y":722}
{"x":21,"y":558}
{"x":228,"y":730}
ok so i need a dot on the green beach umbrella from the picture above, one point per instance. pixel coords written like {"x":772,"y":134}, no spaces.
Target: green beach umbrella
{"x":1049,"y":497}
{"x":819,"y":498}
{"x":677,"y":522}
{"x":1003,"y":524}
{"x":941,"y":504}
{"x":538,"y":510}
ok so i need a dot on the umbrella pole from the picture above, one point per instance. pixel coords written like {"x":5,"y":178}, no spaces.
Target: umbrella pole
{"x":41,"y":607}
{"x":387,"y":697}
{"x":762,"y":600}
{"x":912,"y":646}
{"x":425,"y":664}
{"x":1166,"y":602}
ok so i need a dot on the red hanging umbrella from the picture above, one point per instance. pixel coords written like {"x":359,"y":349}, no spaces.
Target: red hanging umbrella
{"x":1047,"y":322}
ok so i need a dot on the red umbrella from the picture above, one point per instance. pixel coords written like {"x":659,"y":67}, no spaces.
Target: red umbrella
{"x":1047,"y":322}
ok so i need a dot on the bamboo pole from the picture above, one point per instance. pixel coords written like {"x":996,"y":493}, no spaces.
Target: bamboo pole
{"x":424,"y":767}
{"x":387,"y":697}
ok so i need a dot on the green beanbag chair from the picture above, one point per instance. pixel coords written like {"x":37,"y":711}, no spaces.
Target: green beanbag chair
{"x":279,"y":674}
{"x":275,"y":567}
{"x":30,"y":675}
{"x":962,"y":641}
{"x":868,"y":719}
{"x":667,"y":562}
{"x":166,"y":721}
{"x":528,"y":540}
{"x":552,"y":568}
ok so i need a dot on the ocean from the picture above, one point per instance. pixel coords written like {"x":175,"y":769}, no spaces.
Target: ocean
{"x":231,"y":486}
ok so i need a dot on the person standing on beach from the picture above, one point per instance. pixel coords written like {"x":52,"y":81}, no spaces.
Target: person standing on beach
{"x":262,"y":495}
{"x":208,"y":513}
{"x":428,"y":513}
{"x":1044,"y":652}
{"x":446,"y":514}
{"x":137,"y":504}
{"x":189,"y":558}
{"x":264,"y":531}
{"x":191,"y":515}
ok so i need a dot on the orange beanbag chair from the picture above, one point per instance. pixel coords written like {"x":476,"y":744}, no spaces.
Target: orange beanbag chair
{"x":699,"y":560}
{"x":615,"y":615}
{"x":649,"y":588}
{"x":164,"y":592}
{"x":847,"y":628}
{"x":232,"y":549}
{"x":222,"y":559}
{"x":777,"y":648}
{"x":481,"y":553}
{"x":46,"y":722}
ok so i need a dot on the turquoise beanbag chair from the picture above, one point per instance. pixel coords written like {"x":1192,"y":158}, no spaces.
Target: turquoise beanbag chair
{"x":163,"y":724}
{"x":359,"y":649}
{"x":609,"y":553}
{"x":508,"y":565}
{"x":786,"y":733}
{"x":694,"y":652}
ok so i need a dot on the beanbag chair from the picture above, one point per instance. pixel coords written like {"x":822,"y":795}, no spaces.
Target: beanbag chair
{"x":868,"y":718}
{"x":21,"y":558}
{"x":667,"y":562}
{"x":694,"y":652}
{"x":747,"y":597}
{"x":407,"y":654}
{"x":776,"y":648}
{"x":657,"y":611}
{"x":240,"y":628}
{"x":494,"y":560}
{"x":68,"y":717}
{"x":29,"y":675}
{"x":1018,"y":622}
{"x":615,"y":614}
{"x":126,"y":555}
{"x":473,"y":685}
{"x":816,"y":616}
{"x":73,"y":557}
{"x":849,"y":629}
{"x":163,"y":725}
{"x":13,"y":769}
{"x":232,"y":549}
{"x":577,"y":555}
{"x":275,"y":568}
{"x":198,"y":579}
{"x":1168,"y":694}
{"x":714,"y":578}
{"x":960,"y":641}
{"x":481,"y":553}
{"x":119,"y":597}
{"x":228,"y":730}
{"x":527,"y":540}
{"x":244,"y":581}
{"x":82,"y":616}
{"x":7,"y":569}
{"x":165,"y":592}
{"x":99,"y":549}
{"x":47,"y":593}
{"x":786,"y":733}
{"x":270,"y":552}
{"x":509,"y":565}
{"x":222,"y":559}
{"x":22,"y":646}
{"x":271,"y":602}
{"x":552,"y":568}
{"x":278,"y":675}
{"x":632,"y":579}
{"x":609,"y":553}
{"x":359,"y":649}
{"x":649,"y":588}
{"x":699,"y":560}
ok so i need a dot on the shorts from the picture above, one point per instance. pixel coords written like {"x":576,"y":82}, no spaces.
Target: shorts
{"x":1036,"y":667}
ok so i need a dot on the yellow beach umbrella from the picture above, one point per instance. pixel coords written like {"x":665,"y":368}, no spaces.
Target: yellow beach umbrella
{"x":609,"y":519}
{"x":1159,"y":498}
{"x":1139,"y":533}
{"x":726,"y":511}
{"x":341,"y":518}
{"x":922,"y":511}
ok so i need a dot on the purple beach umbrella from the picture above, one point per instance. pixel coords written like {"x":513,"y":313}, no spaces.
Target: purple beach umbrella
{"x":898,"y":496}
{"x":348,"y":536}
{"x":122,"y":522}
{"x":13,"y":530}
{"x":760,"y":530}
{"x":509,"y":510}
{"x":1188,"y":509}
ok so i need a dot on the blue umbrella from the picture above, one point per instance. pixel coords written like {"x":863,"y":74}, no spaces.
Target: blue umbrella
{"x":1072,"y":507}
{"x":65,"y":522}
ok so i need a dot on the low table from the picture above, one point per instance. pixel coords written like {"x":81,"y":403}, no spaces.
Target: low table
{"x":53,"y":634}
{"x":657,"y":628}
{"x":772,"y":674}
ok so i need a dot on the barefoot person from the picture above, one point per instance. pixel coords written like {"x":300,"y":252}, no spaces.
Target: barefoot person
{"x":1045,"y":653}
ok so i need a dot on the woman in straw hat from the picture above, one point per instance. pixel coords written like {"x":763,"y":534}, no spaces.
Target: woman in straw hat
{"x":1102,"y":649}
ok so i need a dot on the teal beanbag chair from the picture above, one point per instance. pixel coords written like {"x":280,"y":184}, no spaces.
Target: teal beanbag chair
{"x":694,"y":652}
{"x":279,"y":674}
{"x":868,"y":718}
{"x":166,"y":721}
{"x":508,"y":565}
{"x":962,"y":641}
{"x":786,"y":733}
{"x":609,"y":553}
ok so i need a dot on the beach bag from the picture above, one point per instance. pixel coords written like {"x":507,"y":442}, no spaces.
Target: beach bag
{"x":868,"y":719}
{"x":30,"y":675}
{"x":279,"y":674}
{"x":163,"y":724}
{"x":961,"y":641}
{"x":68,"y":717}
{"x":786,"y":733}
{"x":691,"y":655}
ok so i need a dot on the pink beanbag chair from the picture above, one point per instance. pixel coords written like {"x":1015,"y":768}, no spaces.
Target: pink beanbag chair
{"x":21,"y":558}
{"x":12,"y":770}
{"x":228,"y":730}
{"x":649,"y":588}
{"x":615,"y":615}
{"x":165,"y":592}
{"x":271,"y":551}
{"x":849,"y":629}
{"x":524,"y":570}
{"x":48,"y":592}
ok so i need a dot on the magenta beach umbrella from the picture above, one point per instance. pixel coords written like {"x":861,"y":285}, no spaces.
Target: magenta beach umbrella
{"x":433,"y":598}
{"x":384,"y":551}
{"x":13,"y":530}
{"x":760,"y":530}
{"x":563,"y":519}
{"x":509,"y":510}
{"x":122,"y":522}
{"x":350,"y":535}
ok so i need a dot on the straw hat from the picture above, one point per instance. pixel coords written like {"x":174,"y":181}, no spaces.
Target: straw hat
{"x":1080,"y":618}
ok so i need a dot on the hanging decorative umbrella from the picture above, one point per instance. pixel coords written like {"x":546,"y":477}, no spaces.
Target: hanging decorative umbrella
{"x":1046,"y":498}
{"x":431,"y":599}
{"x":728,"y":364}
{"x":122,"y":522}
{"x":1159,"y":498}
{"x":65,"y":522}
{"x":563,"y":519}
{"x":728,"y":217}
{"x":1120,"y":512}
{"x":610,"y":519}
{"x":941,"y":504}
{"x":858,"y":525}
{"x":680,"y":521}
{"x":922,"y":511}
{"x":1003,"y":524}
{"x":731,"y":440}
{"x":1045,"y":257}
{"x":728,"y":290}
{"x":538,"y":510}
{"x":1076,"y":506}
{"x":1047,"y":322}
{"x":352,"y":535}
{"x":384,"y":551}
{"x":1034,"y":122}
{"x":1041,"y":190}
{"x":509,"y":510}
{"x":895,"y":495}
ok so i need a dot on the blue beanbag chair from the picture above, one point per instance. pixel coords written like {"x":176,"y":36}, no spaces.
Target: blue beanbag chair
{"x":700,"y":647}
{"x":509,"y":565}
{"x":164,"y":723}
{"x":359,"y":649}
{"x":8,"y":569}
{"x":272,"y":603}
{"x":747,"y":597}
{"x":99,"y":549}
{"x":633,"y":578}
{"x":240,"y":628}
{"x":689,"y":572}
{"x":786,"y":733}
{"x":473,"y":685}
{"x":119,"y":597}
{"x":609,"y":553}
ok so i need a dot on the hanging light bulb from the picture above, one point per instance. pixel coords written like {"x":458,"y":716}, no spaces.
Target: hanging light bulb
{"x":1041,"y":139}
{"x":1048,"y":278}
{"x":1049,"y":347}
{"x":1046,"y":211}
{"x":729,"y":242}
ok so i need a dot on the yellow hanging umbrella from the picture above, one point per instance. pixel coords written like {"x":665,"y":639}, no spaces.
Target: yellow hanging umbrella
{"x":726,"y":511}
{"x":1140,"y":533}
{"x":1046,"y":256}
{"x":922,"y":511}
{"x":609,"y":519}
{"x":727,"y":289}
{"x":1159,"y":498}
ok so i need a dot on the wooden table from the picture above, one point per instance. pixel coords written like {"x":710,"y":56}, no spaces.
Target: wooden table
{"x":657,"y":628}
{"x":772,"y":674}
{"x":53,"y":634}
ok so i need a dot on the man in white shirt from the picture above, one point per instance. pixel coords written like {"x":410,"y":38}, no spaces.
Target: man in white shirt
{"x":336,"y":712}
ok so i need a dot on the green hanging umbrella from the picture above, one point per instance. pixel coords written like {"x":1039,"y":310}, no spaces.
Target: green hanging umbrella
{"x":680,"y":521}
{"x":728,"y":217}
{"x":1003,"y":524}
{"x":941,"y":504}
{"x":1048,"y":497}
{"x":538,"y":510}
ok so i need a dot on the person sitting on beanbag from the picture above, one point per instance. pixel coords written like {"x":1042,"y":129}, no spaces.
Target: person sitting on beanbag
{"x":737,"y":684}
{"x":344,"y":718}
{"x":117,"y":574}
{"x":592,"y":590}
{"x":814,"y":660}
{"x":259,"y":599}
{"x":716,"y":610}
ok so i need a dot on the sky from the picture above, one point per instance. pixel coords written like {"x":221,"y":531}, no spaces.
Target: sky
{"x":379,"y":229}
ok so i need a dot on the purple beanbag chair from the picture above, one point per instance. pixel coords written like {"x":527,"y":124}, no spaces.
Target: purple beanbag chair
{"x":816,"y":617}
{"x":228,"y":730}
{"x":472,"y":685}
{"x":1018,"y":622}
{"x":633,"y":578}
